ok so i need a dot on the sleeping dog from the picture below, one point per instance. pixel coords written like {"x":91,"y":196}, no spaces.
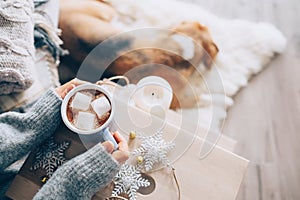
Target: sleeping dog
{"x":85,"y":24}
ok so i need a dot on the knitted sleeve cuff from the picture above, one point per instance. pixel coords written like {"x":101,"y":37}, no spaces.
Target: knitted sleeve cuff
{"x":45,"y":114}
{"x":81,"y":177}
{"x":91,"y":171}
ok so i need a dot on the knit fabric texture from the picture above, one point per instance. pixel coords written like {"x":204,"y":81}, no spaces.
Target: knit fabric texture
{"x":79,"y":178}
{"x":16,"y":45}
{"x":44,"y":71}
{"x":22,"y":132}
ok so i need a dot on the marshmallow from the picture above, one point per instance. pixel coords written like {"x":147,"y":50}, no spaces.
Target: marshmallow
{"x":101,"y":106}
{"x":81,"y":101}
{"x":85,"y":121}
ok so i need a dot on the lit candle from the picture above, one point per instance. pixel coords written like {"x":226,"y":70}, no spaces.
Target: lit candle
{"x":153,"y":92}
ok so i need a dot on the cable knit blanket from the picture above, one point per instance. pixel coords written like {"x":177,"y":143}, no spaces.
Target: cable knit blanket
{"x":245,"y":47}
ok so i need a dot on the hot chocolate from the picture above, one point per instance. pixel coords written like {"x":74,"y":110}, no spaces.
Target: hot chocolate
{"x":88,"y":109}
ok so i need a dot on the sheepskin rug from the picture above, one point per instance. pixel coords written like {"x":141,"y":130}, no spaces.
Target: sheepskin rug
{"x":245,"y":48}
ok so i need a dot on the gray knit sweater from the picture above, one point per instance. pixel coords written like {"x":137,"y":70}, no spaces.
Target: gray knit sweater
{"x":79,"y":178}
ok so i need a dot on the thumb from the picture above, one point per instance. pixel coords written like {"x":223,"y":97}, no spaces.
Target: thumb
{"x":108,"y":146}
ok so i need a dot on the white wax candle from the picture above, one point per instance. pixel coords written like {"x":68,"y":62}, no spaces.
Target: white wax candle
{"x":153,"y":91}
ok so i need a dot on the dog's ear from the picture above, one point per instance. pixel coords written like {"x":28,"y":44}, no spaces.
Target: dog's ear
{"x":207,"y":50}
{"x":210,"y":55}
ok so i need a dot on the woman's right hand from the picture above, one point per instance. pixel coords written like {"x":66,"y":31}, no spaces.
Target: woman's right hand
{"x":120,"y":155}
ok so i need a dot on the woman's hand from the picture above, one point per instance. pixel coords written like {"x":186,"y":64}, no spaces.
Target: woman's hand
{"x":85,"y":174}
{"x":120,"y":155}
{"x":63,"y":90}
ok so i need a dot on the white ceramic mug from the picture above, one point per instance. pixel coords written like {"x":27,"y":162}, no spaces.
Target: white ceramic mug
{"x":92,"y":137}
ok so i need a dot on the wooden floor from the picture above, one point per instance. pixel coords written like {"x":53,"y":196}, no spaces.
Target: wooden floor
{"x":265,"y":119}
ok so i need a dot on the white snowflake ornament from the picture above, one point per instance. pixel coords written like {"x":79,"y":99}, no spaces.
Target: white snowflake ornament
{"x":128,"y":181}
{"x":50,"y":156}
{"x":153,"y":151}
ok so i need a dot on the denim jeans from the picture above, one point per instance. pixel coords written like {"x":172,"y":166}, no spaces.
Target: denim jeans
{"x":45,"y":29}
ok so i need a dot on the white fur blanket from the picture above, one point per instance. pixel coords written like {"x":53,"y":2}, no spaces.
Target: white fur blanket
{"x":245,"y":47}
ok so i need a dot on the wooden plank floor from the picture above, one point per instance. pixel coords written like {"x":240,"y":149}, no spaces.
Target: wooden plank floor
{"x":265,"y":119}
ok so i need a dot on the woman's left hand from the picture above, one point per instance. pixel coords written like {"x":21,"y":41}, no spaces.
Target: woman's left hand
{"x":63,"y":90}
